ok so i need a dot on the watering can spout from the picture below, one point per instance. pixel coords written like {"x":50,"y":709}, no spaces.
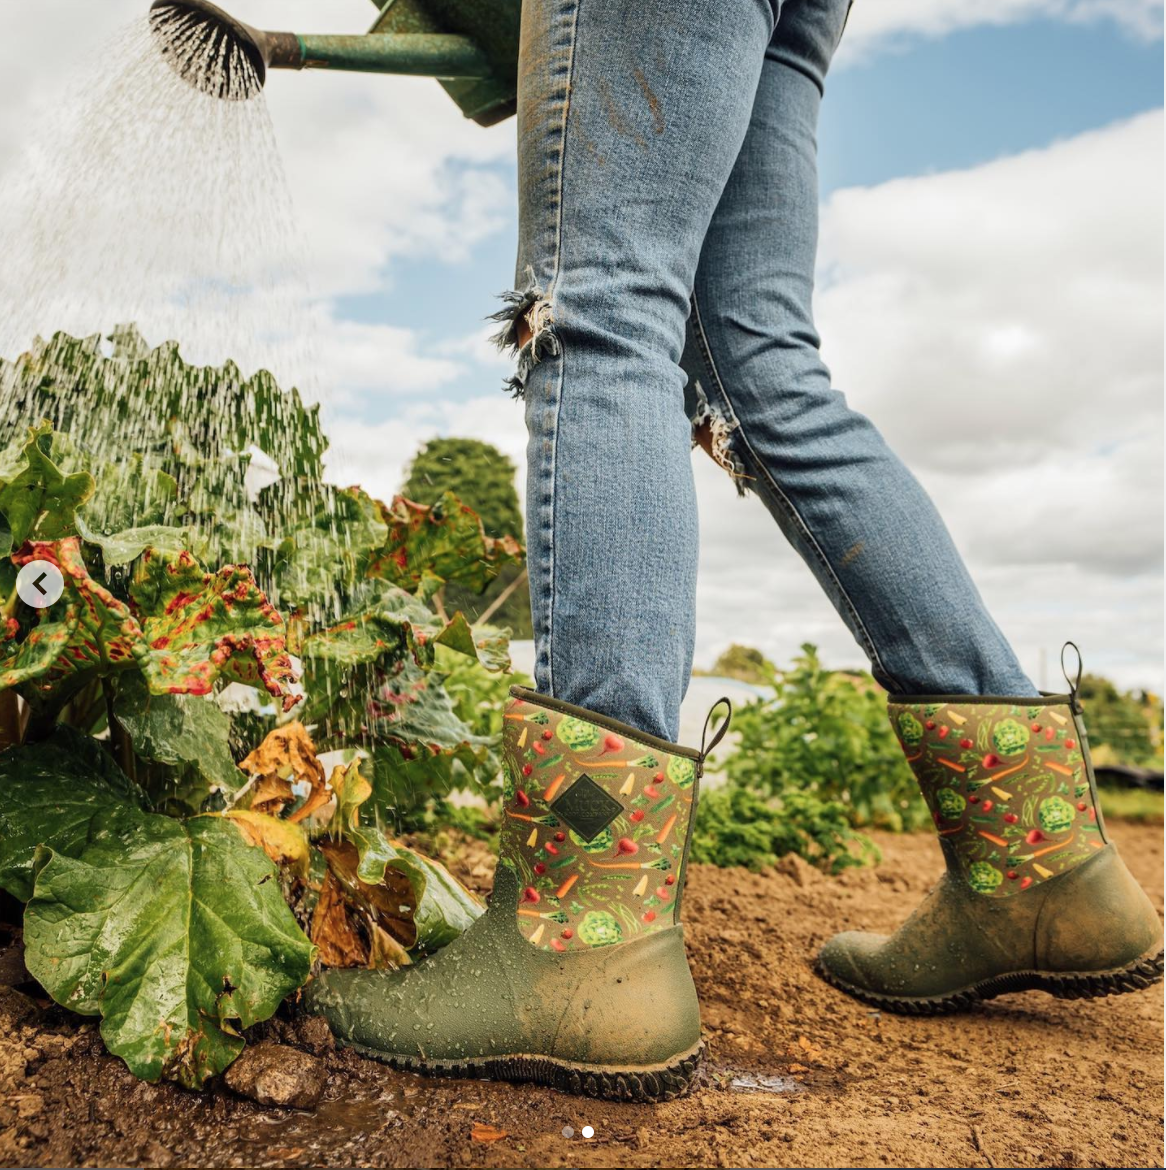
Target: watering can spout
{"x":214,"y":52}
{"x":472,"y":48}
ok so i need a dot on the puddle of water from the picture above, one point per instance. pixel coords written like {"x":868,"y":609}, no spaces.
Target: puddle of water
{"x":760,"y":1083}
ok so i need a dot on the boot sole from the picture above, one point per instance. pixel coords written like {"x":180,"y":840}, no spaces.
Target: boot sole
{"x":642,"y":1083}
{"x":1136,"y":976}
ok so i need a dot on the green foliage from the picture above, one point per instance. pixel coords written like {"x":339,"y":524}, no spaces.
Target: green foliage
{"x":1132,"y":804}
{"x":186,"y":739}
{"x":472,"y":469}
{"x":826,"y":734}
{"x":735,"y":826}
{"x":51,"y":792}
{"x":746,"y":664}
{"x":128,"y":469}
{"x":1124,"y":727}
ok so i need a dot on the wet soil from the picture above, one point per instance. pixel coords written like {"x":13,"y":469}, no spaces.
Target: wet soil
{"x":798,"y":1074}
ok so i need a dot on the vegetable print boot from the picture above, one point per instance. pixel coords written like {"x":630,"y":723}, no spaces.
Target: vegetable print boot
{"x":576,"y":975}
{"x":1035,"y":895}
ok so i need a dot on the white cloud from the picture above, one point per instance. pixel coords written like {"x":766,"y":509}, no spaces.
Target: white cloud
{"x":1007,"y":316}
{"x":885,"y":24}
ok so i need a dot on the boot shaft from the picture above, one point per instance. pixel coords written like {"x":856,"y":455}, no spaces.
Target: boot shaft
{"x":596,"y":824}
{"x":1009,"y":783}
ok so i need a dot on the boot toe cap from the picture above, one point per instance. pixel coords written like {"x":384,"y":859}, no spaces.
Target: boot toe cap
{"x":361,"y":1008}
{"x":852,"y":958}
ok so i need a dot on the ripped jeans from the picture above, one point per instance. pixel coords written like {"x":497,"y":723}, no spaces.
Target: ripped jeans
{"x":667,"y":236}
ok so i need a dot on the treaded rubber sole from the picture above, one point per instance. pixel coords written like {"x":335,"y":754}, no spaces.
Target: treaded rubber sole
{"x":1137,"y":976}
{"x":647,"y":1083}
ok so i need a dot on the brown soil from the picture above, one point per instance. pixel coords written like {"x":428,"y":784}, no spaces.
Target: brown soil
{"x":798,"y":1074}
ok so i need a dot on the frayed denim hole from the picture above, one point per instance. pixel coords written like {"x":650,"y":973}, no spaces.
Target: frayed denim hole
{"x":531,"y":307}
{"x":721,"y":446}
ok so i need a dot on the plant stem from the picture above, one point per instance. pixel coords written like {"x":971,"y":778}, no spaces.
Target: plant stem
{"x":11,"y":731}
{"x":123,"y":748}
{"x":500,"y":600}
{"x":439,"y":604}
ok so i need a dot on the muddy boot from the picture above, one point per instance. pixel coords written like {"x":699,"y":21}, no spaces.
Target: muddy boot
{"x":1035,"y":895}
{"x":576,"y":975}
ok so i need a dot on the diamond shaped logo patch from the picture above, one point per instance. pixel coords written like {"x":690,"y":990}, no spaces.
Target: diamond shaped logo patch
{"x":586,"y":808}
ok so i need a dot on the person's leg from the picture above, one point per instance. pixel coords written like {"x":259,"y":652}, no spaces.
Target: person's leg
{"x":631,"y":113}
{"x":1035,"y":896}
{"x":860,"y":519}
{"x":630,"y":118}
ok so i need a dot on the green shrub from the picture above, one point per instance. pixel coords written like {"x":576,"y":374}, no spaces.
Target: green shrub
{"x":825,"y":734}
{"x":735,"y":826}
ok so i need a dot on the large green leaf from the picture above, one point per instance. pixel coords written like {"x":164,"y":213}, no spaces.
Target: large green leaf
{"x":86,"y":634}
{"x":199,"y":625}
{"x":175,"y":932}
{"x":189,"y":732}
{"x":446,"y":541}
{"x":444,"y":907}
{"x":390,"y":626}
{"x":415,"y":898}
{"x":367,"y":677}
{"x":194,"y":628}
{"x":131,"y":493}
{"x":49,"y":793}
{"x":401,"y":784}
{"x":124,"y":546}
{"x":488,"y":644}
{"x":37,"y":500}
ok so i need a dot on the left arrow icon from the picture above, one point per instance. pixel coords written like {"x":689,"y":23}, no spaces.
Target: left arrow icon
{"x":40,"y":584}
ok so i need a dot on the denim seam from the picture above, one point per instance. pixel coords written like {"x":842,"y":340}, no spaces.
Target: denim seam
{"x":782,"y":499}
{"x":571,"y":22}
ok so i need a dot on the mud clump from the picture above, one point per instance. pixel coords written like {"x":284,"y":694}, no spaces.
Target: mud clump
{"x":274,"y":1074}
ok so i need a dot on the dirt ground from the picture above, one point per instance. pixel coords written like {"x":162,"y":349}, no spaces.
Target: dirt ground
{"x":797,"y":1075}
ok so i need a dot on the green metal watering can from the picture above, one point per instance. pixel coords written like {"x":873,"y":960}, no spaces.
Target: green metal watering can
{"x":470,"y":46}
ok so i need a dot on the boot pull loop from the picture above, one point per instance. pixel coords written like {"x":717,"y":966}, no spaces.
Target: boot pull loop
{"x":1074,"y":684}
{"x":718,"y":732}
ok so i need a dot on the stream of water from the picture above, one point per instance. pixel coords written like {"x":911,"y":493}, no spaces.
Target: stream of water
{"x":142,"y":199}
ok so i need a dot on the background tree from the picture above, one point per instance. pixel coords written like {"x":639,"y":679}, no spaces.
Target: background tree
{"x":475,"y":470}
{"x":745,"y":663}
{"x":1124,"y":727}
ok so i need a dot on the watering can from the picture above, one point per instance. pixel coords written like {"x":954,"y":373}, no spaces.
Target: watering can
{"x":470,"y":46}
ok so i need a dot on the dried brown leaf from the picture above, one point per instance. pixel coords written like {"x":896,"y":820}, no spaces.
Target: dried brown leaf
{"x":334,"y":929}
{"x":487,"y":1133}
{"x":288,"y":754}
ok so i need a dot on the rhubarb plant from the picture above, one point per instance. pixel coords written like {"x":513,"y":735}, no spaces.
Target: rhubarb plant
{"x":208,"y":742}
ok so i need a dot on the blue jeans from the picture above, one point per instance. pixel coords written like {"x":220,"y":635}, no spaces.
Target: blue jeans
{"x":667,"y":236}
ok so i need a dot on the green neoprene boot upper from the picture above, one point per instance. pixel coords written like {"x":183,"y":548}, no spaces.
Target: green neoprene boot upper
{"x":1035,"y":895}
{"x":576,"y":975}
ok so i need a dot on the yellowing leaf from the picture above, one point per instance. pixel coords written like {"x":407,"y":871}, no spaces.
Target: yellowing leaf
{"x":352,"y":790}
{"x":282,"y":841}
{"x":289,"y":754}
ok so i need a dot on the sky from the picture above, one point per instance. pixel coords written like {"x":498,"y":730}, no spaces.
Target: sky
{"x":989,"y":292}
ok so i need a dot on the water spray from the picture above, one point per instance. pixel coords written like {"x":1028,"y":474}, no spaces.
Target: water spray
{"x":470,"y":46}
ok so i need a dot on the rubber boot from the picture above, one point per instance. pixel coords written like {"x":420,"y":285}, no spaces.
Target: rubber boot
{"x":576,"y":975}
{"x":1035,"y":896}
